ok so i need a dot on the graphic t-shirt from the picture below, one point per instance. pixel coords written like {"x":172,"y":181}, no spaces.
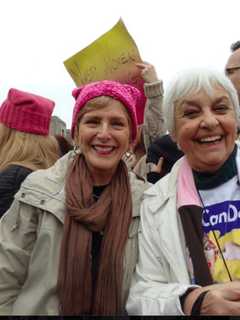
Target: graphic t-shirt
{"x":221,"y":220}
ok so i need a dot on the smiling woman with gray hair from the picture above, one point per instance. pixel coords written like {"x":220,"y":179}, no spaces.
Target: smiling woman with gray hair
{"x":189,"y":238}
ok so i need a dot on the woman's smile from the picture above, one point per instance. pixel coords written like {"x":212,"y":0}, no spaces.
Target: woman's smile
{"x":206,"y":128}
{"x":104,"y":136}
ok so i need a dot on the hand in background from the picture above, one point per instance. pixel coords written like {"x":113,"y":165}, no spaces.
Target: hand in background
{"x":148,"y":72}
{"x":156,"y":167}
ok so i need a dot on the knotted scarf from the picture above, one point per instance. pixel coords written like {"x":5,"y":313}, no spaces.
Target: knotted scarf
{"x":111,"y":213}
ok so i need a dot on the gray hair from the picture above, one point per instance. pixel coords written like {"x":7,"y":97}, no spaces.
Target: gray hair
{"x":192,"y":81}
{"x":235,"y":46}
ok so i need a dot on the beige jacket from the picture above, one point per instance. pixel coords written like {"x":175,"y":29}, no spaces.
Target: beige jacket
{"x":162,"y":274}
{"x":154,"y":124}
{"x":30,"y":239}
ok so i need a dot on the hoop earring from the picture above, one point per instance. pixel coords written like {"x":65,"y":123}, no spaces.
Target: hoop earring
{"x":76,"y":150}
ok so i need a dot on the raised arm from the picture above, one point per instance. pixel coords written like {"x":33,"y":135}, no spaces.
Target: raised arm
{"x":154,"y":124}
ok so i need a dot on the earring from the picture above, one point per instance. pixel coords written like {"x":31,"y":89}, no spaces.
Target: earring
{"x":76,"y":149}
{"x":128,"y":154}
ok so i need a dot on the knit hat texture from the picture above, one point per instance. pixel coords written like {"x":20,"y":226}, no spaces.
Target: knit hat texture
{"x":26,"y":112}
{"x":128,"y":95}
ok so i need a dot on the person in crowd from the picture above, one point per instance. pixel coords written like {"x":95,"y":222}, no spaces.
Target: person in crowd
{"x":64,"y":145}
{"x":189,"y":249}
{"x":232,"y":67}
{"x":153,"y":125}
{"x":154,"y":122}
{"x":68,"y":244}
{"x":25,"y":145}
{"x":162,"y":153}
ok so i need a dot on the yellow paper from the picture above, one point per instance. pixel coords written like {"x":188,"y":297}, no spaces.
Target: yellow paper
{"x":110,"y":57}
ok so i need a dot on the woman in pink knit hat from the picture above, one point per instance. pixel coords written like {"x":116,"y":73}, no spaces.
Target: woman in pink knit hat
{"x":68,"y":245}
{"x":24,"y":142}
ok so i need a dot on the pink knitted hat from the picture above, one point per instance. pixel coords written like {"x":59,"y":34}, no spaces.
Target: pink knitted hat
{"x":128,"y":95}
{"x":26,"y":112}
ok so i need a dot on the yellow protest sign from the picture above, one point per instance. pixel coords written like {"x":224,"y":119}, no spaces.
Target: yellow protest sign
{"x":112,"y":57}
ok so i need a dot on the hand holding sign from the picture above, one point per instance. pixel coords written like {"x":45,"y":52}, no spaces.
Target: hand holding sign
{"x":113,"y":56}
{"x":148,"y":72}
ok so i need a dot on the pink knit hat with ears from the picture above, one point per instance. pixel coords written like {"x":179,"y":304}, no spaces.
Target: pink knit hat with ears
{"x":126,"y":94}
{"x":26,"y":112}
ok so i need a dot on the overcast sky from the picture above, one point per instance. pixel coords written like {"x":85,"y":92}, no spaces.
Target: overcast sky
{"x":38,"y":35}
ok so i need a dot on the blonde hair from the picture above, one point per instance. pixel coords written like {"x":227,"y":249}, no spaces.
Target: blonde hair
{"x":28,"y":150}
{"x":98,"y":102}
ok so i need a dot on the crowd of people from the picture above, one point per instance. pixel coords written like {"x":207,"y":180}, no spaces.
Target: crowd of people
{"x":126,"y":218}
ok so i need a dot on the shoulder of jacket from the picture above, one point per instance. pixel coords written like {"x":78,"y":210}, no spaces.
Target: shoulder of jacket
{"x":163,"y":190}
{"x":49,"y":180}
{"x":45,"y":189}
{"x":11,"y":170}
{"x":12,"y":177}
{"x":22,"y":173}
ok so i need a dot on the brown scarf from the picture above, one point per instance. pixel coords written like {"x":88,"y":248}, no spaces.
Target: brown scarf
{"x":111,"y":213}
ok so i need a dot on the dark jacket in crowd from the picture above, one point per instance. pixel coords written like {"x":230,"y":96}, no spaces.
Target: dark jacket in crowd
{"x":10,"y":182}
{"x":162,"y":147}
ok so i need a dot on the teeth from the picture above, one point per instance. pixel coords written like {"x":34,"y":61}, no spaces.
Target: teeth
{"x":210,"y":139}
{"x":103,"y":149}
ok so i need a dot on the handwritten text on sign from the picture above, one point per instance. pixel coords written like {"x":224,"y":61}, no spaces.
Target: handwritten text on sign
{"x":113,"y":57}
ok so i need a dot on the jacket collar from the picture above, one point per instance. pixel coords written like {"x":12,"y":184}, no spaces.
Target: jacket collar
{"x":45,"y":189}
{"x":167,"y":186}
{"x":186,"y":190}
{"x":164,"y":189}
{"x":187,"y":193}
